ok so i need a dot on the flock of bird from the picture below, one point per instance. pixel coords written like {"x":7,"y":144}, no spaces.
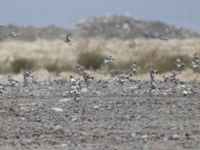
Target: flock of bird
{"x":195,"y":64}
{"x":75,"y":84}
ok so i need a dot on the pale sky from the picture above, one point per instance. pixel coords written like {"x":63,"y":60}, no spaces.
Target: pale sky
{"x":66,"y":13}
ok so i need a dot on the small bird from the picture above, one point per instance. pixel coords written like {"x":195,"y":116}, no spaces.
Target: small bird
{"x":15,"y":34}
{"x":79,"y":69}
{"x":109,"y":59}
{"x":67,"y":39}
{"x":122,"y":78}
{"x":194,"y":65}
{"x":75,"y":87}
{"x":13,"y":82}
{"x":172,"y":77}
{"x":73,"y":82}
{"x":185,"y":93}
{"x":71,"y":79}
{"x":28,"y":76}
{"x":195,"y":61}
{"x":163,"y":38}
{"x":87,"y":77}
{"x":153,"y":72}
{"x":135,"y":68}
{"x":179,"y":64}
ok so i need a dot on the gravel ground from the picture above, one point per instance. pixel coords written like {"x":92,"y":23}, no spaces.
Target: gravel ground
{"x":108,"y":115}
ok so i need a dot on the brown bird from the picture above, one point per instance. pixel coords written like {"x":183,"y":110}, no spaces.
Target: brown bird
{"x":109,"y":59}
{"x":163,"y":38}
{"x":67,"y":39}
{"x":15,"y":34}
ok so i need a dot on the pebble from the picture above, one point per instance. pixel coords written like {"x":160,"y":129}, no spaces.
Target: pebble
{"x":64,"y":94}
{"x":96,"y":106}
{"x":57,"y":109}
{"x":145,"y":137}
{"x":74,"y":118}
{"x":64,"y":145}
{"x":99,"y":93}
{"x":133,"y":135}
{"x":26,"y":142}
{"x":173,"y":137}
{"x":34,"y":104}
{"x":84,"y":90}
{"x":65,"y":100}
{"x":22,"y":118}
{"x":23,"y":108}
{"x":59,"y":129}
{"x":185,"y":93}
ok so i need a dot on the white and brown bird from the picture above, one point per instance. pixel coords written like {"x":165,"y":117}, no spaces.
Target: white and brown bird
{"x":15,"y":33}
{"x":179,"y":64}
{"x":135,"y":68}
{"x":28,"y":77}
{"x":87,"y":77}
{"x":153,"y":72}
{"x":75,"y":87}
{"x":171,"y":77}
{"x":195,"y":61}
{"x":109,"y":59}
{"x":73,"y":81}
{"x":163,"y":38}
{"x":79,"y":69}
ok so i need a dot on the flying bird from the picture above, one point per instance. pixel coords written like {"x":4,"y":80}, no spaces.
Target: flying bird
{"x":67,"y":39}
{"x":163,"y":38}
{"x":15,"y":34}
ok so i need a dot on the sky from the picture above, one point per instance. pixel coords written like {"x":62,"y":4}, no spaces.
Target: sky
{"x":66,"y":13}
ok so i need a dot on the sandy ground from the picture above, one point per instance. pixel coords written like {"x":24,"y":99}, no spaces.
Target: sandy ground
{"x":107,"y":116}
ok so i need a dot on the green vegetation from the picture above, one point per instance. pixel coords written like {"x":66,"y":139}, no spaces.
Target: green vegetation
{"x":161,"y":63}
{"x":20,"y":64}
{"x":91,"y":60}
{"x":4,"y":69}
{"x":57,"y":67}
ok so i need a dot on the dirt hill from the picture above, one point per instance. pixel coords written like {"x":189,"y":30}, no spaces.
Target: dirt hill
{"x":128,"y":27}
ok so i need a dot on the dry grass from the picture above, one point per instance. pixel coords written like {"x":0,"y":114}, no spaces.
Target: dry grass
{"x":58,"y":56}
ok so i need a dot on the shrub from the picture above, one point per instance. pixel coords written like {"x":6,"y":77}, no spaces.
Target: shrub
{"x":168,"y":63}
{"x":56,"y":67}
{"x":124,"y":66}
{"x":90,"y":60}
{"x":163,"y":63}
{"x":5,"y":69}
{"x":20,"y":64}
